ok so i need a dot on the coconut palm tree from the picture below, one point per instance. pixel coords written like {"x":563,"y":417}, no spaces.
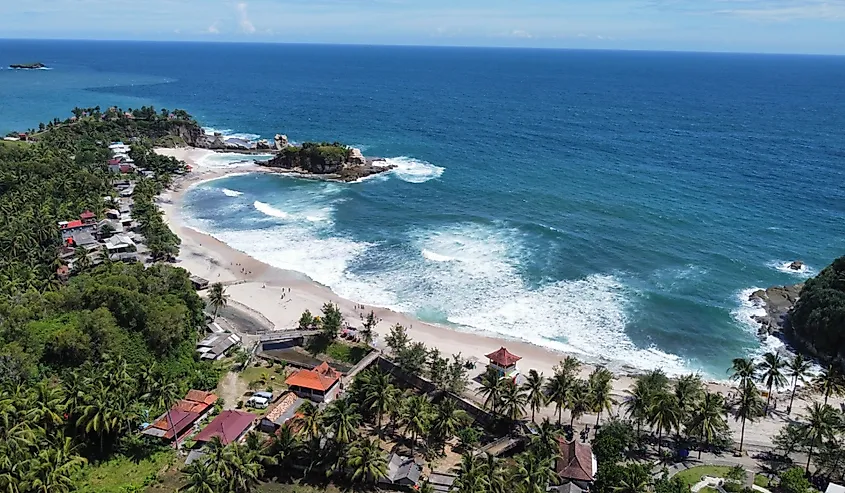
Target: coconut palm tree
{"x":163,"y":396}
{"x":558,"y":390}
{"x":748,"y":407}
{"x":634,"y":479}
{"x":742,"y":370}
{"x":771,"y":374}
{"x":285,"y":448}
{"x":342,"y":419}
{"x":580,"y":403}
{"x":380,"y":396}
{"x":494,"y":471}
{"x":200,"y":478}
{"x":512,"y":400}
{"x":472,"y":477}
{"x":638,"y":403}
{"x":821,"y":425}
{"x":829,"y":382}
{"x":98,"y":415}
{"x":665,"y":416}
{"x":81,"y":260}
{"x":798,"y":369}
{"x":532,"y":474}
{"x":600,"y":392}
{"x":366,"y":461}
{"x":708,"y":420}
{"x":217,"y":297}
{"x":490,"y":389}
{"x":418,"y":419}
{"x":533,"y":389}
{"x":545,"y":441}
{"x":448,"y":420}
{"x":689,"y":390}
{"x":309,"y":418}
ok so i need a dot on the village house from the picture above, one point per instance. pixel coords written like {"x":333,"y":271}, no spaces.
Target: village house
{"x":215,"y":346}
{"x":503,"y":362}
{"x":576,"y":465}
{"x":229,"y":426}
{"x":401,"y":472}
{"x":179,"y":421}
{"x":280,"y":412}
{"x":321,"y":384}
{"x":119,"y":243}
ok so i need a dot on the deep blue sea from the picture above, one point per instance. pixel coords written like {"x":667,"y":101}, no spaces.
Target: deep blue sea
{"x":620,"y":205}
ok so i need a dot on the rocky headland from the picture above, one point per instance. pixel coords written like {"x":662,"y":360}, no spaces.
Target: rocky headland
{"x":329,"y":161}
{"x":777,"y":302}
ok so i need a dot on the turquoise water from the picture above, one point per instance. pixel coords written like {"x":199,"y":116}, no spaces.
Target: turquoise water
{"x":617,"y":205}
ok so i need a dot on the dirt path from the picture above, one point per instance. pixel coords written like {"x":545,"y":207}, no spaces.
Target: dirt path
{"x":230,"y":389}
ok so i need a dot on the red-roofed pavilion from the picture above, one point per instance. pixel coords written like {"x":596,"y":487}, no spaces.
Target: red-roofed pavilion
{"x":503,"y":361}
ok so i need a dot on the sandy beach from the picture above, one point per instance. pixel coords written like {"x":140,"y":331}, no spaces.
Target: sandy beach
{"x":282,"y":295}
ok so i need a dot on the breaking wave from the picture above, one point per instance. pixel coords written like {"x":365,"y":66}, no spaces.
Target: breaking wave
{"x":231,"y":193}
{"x":269,"y":210}
{"x":414,"y":170}
{"x":804,"y":271}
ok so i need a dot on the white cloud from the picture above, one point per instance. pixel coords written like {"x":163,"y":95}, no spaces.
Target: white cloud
{"x":213,"y":29}
{"x":519,"y":33}
{"x":245,"y":23}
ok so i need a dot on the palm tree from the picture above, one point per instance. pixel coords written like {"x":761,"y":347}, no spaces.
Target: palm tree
{"x":285,"y":448}
{"x":708,"y":420}
{"x":511,"y":400}
{"x":635,"y":479}
{"x":689,"y":390}
{"x":532,"y":474}
{"x":98,"y":415}
{"x":217,"y":297}
{"x":309,"y":420}
{"x":545,"y":441}
{"x":494,"y":474}
{"x":600,"y":392}
{"x":558,"y":391}
{"x":748,"y":408}
{"x":742,"y":370}
{"x":379,"y":396}
{"x":472,"y":477}
{"x":200,"y":478}
{"x":342,"y":419}
{"x":490,"y":388}
{"x":638,"y":403}
{"x":449,"y":420}
{"x":418,"y":419}
{"x":533,"y":388}
{"x":580,"y":402}
{"x":821,"y":425}
{"x":81,"y":260}
{"x":829,"y":382}
{"x":771,"y":374}
{"x":798,"y":369}
{"x":665,"y":416}
{"x":163,"y":396}
{"x":366,"y":461}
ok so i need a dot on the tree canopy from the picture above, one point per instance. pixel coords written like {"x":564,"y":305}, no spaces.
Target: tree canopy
{"x":817,"y":322}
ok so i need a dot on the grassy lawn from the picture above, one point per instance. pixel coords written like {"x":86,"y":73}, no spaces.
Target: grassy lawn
{"x":761,"y":480}
{"x":346,"y":353}
{"x":693,"y":475}
{"x":708,"y":489}
{"x":121,"y":474}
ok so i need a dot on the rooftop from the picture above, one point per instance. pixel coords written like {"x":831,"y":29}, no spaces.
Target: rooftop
{"x":575,"y":461}
{"x":503,"y":357}
{"x":400,"y":467}
{"x":322,"y":378}
{"x":228,"y":425}
{"x":284,"y":409}
{"x":176,"y":421}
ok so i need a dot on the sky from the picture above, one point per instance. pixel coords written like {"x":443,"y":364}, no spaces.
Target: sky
{"x":767,"y":26}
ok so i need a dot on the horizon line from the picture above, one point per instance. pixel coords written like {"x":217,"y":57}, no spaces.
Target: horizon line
{"x":421,"y":45}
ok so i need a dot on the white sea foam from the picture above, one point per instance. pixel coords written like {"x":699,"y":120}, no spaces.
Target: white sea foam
{"x":229,"y":133}
{"x":270,"y":210}
{"x":414,"y":170}
{"x":436,"y":257}
{"x":231,"y":193}
{"x":804,"y":271}
{"x":228,"y":160}
{"x":745,"y":313}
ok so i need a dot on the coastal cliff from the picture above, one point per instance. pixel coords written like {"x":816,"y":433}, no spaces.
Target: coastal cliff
{"x":777,"y":301}
{"x":333,"y":161}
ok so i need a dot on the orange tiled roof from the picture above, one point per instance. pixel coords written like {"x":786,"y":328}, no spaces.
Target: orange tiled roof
{"x":200,"y":396}
{"x":503,"y":357}
{"x":320,"y":378}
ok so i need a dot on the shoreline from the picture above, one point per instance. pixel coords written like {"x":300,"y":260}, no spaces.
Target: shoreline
{"x":282,"y":295}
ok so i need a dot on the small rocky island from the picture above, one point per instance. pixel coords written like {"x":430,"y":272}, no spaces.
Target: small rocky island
{"x":331,"y":161}
{"x":27,"y":66}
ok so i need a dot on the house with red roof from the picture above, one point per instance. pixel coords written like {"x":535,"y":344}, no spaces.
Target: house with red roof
{"x":88,"y":218}
{"x":321,"y":384}
{"x":503,"y":361}
{"x":179,"y":421}
{"x":576,"y":463}
{"x":229,"y":426}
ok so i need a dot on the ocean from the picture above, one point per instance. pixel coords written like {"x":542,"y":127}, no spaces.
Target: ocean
{"x":617,"y":205}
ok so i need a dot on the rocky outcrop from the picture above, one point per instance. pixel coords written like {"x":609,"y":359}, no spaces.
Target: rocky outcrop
{"x":329,"y":161}
{"x":796,"y":265}
{"x":280,"y":141}
{"x":28,"y":66}
{"x":192,"y":135}
{"x":777,"y":302}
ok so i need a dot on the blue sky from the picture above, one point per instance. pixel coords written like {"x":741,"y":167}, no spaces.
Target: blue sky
{"x":781,"y":26}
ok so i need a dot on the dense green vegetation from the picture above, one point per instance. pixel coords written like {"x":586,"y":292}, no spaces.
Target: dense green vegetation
{"x":84,"y":363}
{"x":817,"y":322}
{"x":316,"y":157}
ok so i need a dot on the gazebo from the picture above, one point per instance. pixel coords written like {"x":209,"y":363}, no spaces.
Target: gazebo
{"x":503,"y":361}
